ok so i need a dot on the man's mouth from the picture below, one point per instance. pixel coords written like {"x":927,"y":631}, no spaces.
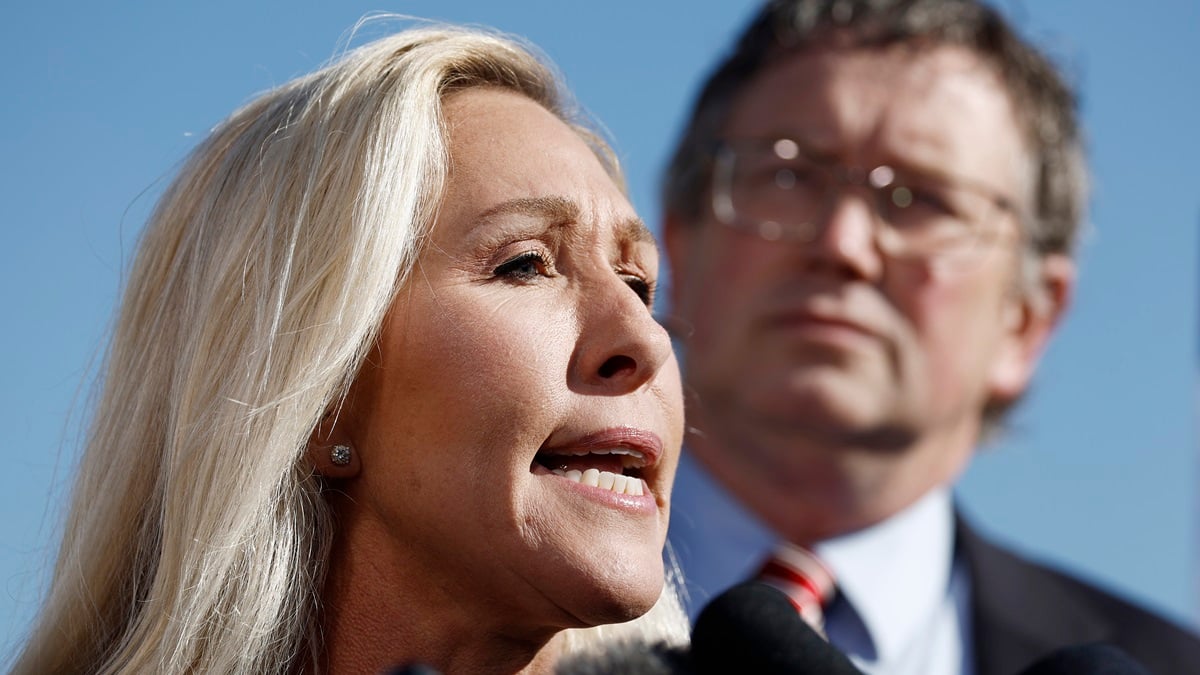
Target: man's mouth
{"x":618,"y":470}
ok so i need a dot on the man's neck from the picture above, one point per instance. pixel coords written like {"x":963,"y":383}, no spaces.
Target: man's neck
{"x":809,"y":491}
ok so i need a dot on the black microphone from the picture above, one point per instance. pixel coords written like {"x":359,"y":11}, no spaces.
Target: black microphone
{"x":753,"y":628}
{"x":1089,"y":659}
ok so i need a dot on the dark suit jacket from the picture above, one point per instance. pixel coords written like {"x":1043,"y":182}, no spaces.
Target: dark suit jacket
{"x":1022,"y":611}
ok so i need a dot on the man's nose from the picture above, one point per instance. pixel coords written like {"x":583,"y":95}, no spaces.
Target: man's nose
{"x":845,"y":237}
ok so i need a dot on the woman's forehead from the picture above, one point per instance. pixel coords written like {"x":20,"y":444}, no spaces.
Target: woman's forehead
{"x":511,"y":159}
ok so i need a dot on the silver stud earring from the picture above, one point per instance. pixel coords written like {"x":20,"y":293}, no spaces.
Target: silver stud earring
{"x":340,"y":455}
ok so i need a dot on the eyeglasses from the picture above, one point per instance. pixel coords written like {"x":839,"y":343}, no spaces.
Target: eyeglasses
{"x":774,"y":189}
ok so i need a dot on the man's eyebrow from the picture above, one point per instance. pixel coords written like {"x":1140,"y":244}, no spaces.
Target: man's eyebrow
{"x":557,"y":209}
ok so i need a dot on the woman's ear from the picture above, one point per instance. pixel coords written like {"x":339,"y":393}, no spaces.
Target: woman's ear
{"x":330,"y":452}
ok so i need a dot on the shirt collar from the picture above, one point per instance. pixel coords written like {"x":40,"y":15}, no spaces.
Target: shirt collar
{"x":895,"y":599}
{"x":718,"y":543}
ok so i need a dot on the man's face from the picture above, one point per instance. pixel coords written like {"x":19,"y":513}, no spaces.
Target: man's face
{"x":832,"y":340}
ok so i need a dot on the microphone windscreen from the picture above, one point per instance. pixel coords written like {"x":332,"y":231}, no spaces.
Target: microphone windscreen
{"x":1089,"y":659}
{"x":753,"y":628}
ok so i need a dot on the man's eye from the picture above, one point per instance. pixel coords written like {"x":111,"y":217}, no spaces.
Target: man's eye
{"x":934,"y":200}
{"x":525,"y":267}
{"x":643,"y":288}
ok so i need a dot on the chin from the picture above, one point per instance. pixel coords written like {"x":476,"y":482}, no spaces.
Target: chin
{"x":815,"y":398}
{"x":623,"y":606}
{"x":617,"y":594}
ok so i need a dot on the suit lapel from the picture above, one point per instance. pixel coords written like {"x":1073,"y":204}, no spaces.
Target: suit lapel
{"x":1019,"y":612}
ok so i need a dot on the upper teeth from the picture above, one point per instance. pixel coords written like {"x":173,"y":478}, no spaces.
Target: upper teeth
{"x":629,"y":485}
{"x":605,"y":451}
{"x":630,"y":458}
{"x":618,"y":451}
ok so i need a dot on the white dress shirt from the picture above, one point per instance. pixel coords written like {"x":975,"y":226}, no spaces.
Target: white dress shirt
{"x":903,"y":604}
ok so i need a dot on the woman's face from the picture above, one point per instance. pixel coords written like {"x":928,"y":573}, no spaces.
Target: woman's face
{"x":519,"y":364}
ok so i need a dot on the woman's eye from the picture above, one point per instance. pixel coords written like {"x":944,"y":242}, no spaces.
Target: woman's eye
{"x":643,"y":288}
{"x":525,"y":267}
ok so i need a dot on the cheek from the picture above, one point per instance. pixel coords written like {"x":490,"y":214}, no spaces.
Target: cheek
{"x":956,"y":323}
{"x":494,"y":367}
{"x":729,"y":274}
{"x":670,"y":390}
{"x":458,"y":392}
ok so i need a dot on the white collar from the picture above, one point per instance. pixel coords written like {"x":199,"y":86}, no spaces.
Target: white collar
{"x":896,"y":599}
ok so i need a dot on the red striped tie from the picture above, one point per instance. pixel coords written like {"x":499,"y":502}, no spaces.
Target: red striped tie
{"x":806,"y":581}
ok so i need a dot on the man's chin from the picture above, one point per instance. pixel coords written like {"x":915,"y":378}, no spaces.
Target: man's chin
{"x":827,"y":390}
{"x":838,"y":415}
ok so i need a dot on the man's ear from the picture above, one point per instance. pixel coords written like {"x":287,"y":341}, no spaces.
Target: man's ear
{"x":1031,"y":318}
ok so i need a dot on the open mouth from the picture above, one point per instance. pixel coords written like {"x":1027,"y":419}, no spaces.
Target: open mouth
{"x":618,"y":470}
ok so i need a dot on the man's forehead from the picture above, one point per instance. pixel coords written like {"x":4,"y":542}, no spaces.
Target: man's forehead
{"x":938,"y":106}
{"x":871,"y":75}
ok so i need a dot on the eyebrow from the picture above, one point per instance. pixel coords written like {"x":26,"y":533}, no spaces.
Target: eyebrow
{"x":558,"y":209}
{"x":563,"y":210}
{"x":635,"y":231}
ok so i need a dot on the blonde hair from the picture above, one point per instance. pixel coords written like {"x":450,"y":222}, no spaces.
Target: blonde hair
{"x":197,"y":536}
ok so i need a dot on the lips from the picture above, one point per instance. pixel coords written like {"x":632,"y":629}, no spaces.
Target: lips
{"x":824,"y":314}
{"x":614,"y":460}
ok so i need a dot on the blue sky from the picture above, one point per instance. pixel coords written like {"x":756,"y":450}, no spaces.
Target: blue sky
{"x":101,"y":103}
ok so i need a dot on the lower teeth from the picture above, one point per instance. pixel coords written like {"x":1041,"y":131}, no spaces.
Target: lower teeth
{"x":607,"y":480}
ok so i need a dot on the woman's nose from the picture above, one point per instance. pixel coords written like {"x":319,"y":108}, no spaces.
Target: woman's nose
{"x":620,"y":346}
